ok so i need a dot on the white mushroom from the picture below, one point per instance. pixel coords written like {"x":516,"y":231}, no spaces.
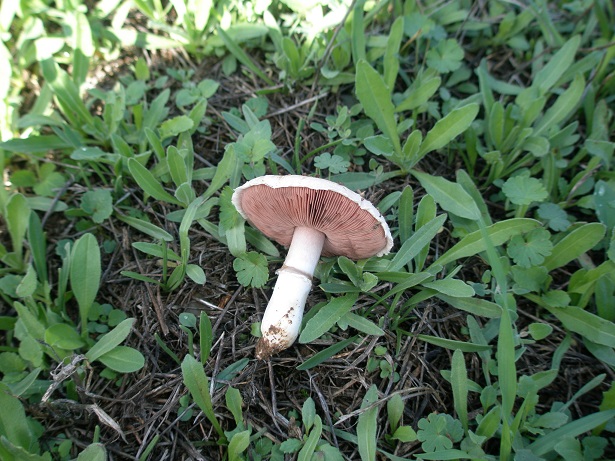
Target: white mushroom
{"x":311,"y":216}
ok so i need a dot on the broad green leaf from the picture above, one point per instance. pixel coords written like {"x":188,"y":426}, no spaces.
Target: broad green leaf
{"x":395,"y":410}
{"x":63,"y":336}
{"x":237,"y":445}
{"x":177,"y":166}
{"x":197,"y":383}
{"x":420,"y":91}
{"x":451,"y":287}
{"x":474,"y":243}
{"x":150,"y":185}
{"x":459,"y":383}
{"x":123,"y":359}
{"x":557,"y":65}
{"x":28,"y":283}
{"x":412,"y":246}
{"x":175,"y":126}
{"x":234,"y":403}
{"x":580,"y":321}
{"x":449,"y":195}
{"x":85,"y":273}
{"x":93,"y":452}
{"x":448,"y":128}
{"x":196,"y":274}
{"x":14,"y":425}
{"x":362,"y":324}
{"x":573,"y":245}
{"x":375,"y":97}
{"x":367,"y":425}
{"x":309,"y":447}
{"x":111,"y":340}
{"x":326,"y":317}
{"x":35,"y":144}
{"x":17,"y":220}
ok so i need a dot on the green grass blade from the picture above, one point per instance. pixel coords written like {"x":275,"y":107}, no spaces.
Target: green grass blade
{"x":242,"y":56}
{"x":416,"y":243}
{"x":325,"y":354}
{"x":147,"y":228}
{"x":357,"y":43}
{"x":545,"y":444}
{"x":391,"y":55}
{"x":205,"y":336}
{"x":580,"y":321}
{"x":453,"y":344}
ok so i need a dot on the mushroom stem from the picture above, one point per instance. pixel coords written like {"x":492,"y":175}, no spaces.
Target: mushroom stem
{"x":282,"y":319}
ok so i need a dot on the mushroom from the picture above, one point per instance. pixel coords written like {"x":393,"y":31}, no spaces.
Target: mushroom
{"x":310,"y":216}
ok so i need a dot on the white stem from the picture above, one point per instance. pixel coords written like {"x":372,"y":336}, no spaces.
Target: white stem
{"x":282,"y":319}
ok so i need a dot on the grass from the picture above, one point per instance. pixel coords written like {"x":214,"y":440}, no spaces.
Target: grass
{"x":131,"y":289}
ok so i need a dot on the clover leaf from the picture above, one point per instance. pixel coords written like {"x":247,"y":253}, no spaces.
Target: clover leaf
{"x":98,"y":204}
{"x":523,"y":190}
{"x":438,"y":432}
{"x":251,"y":268}
{"x":530,"y":249}
{"x":334,"y":163}
{"x":446,"y":56}
{"x":529,"y":279}
{"x":554,"y":216}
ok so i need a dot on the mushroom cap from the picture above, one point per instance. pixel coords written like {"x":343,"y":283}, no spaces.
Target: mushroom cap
{"x":276,"y":205}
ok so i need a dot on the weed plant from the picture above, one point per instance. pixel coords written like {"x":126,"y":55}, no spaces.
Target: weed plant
{"x":131,"y":288}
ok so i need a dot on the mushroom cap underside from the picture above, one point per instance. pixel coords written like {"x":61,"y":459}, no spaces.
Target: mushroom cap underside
{"x":276,"y":205}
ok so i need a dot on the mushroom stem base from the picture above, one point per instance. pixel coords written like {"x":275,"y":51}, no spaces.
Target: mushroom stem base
{"x":282,"y":320}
